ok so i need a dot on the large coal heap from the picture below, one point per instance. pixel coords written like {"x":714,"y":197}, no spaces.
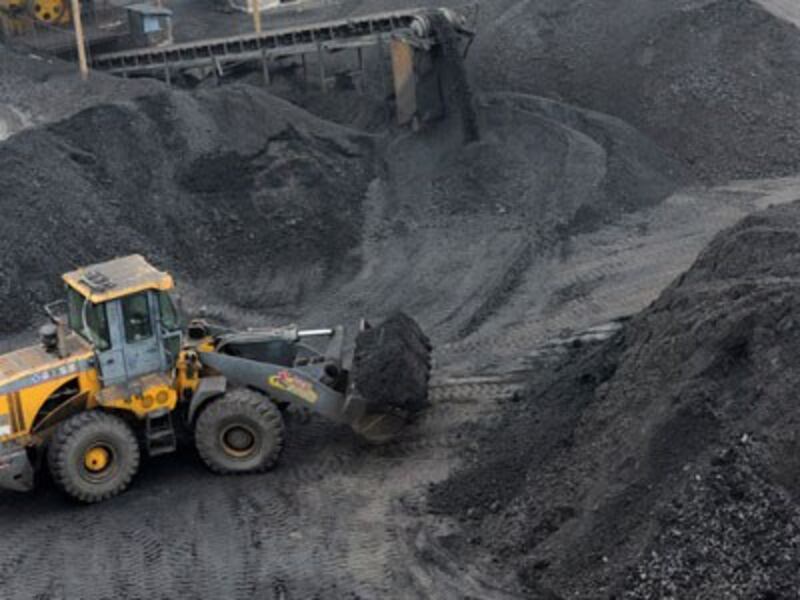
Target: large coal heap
{"x":713,"y":82}
{"x":301,"y":218}
{"x":203,"y":184}
{"x":662,"y":463}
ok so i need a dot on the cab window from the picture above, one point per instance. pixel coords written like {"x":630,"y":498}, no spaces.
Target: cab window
{"x":95,"y":327}
{"x":75,"y":310}
{"x":169,"y":316}
{"x":136,"y":315}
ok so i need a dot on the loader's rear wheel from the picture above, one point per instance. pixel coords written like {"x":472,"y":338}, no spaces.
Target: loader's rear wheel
{"x":241,"y":432}
{"x":93,"y":456}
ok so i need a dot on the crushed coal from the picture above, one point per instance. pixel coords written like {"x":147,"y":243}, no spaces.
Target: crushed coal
{"x":713,"y":82}
{"x":295,"y":217}
{"x":202,"y":184}
{"x":391,"y":366}
{"x":663,"y":462}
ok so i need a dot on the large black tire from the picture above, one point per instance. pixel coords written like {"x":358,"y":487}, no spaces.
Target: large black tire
{"x":93,"y":456}
{"x":241,"y":432}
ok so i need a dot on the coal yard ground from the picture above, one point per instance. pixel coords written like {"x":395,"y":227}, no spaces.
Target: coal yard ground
{"x":601,"y":239}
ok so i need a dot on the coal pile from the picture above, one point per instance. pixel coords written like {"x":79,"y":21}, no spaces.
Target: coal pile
{"x":263,"y":207}
{"x":202,"y":184}
{"x":712,"y":82}
{"x":41,"y":90}
{"x":664,"y":462}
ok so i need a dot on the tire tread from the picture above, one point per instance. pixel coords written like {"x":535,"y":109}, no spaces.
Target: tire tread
{"x":57,"y":454}
{"x":239,"y":400}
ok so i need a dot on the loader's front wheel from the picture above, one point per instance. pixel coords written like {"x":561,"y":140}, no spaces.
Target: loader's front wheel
{"x":241,"y":432}
{"x":93,"y":456}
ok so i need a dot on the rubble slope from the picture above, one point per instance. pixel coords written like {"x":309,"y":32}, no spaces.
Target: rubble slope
{"x":662,"y":463}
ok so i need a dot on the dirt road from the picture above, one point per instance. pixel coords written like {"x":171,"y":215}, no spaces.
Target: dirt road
{"x":616,"y":271}
{"x":332,"y":522}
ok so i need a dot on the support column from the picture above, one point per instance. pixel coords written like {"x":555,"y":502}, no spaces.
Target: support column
{"x":265,"y":66}
{"x":322,"y":73}
{"x":361,"y":74}
{"x":256,"y":5}
{"x":381,"y":67}
{"x":83,"y":64}
{"x":217,"y":71}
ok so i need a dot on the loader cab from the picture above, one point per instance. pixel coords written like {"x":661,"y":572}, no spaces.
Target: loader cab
{"x":124,"y":309}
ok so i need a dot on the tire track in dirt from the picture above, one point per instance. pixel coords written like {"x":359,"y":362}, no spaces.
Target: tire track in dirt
{"x":614,"y":272}
{"x":253,"y":536}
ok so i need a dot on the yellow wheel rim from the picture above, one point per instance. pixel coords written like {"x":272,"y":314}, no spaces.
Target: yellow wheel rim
{"x":97,"y":459}
{"x":239,"y":441}
{"x":53,"y":12}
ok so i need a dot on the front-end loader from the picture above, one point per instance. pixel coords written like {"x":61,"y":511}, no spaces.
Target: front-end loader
{"x":116,"y":376}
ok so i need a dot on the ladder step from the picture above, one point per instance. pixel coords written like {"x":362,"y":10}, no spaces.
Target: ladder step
{"x":159,"y":433}
{"x":159,"y":451}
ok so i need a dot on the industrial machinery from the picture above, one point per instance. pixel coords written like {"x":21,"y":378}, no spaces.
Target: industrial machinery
{"x":46,"y":26}
{"x":426,"y":47}
{"x":49,"y":12}
{"x":115,"y":375}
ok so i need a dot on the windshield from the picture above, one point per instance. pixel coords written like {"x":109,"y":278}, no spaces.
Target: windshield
{"x":96,"y":322}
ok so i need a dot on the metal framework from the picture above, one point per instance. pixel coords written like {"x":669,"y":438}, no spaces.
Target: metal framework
{"x":358,"y":32}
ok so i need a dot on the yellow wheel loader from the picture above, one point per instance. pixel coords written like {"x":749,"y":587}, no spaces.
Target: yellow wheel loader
{"x":115,"y":376}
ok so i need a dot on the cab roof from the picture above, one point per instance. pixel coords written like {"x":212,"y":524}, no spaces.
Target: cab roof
{"x":117,"y":278}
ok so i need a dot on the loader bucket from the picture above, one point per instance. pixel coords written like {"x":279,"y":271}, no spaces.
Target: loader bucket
{"x":389,"y":376}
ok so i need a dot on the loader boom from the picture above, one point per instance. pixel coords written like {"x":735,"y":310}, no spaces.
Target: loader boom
{"x":299,"y":386}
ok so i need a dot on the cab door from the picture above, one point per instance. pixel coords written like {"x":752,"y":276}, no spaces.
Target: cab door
{"x":100,"y":327}
{"x":142,"y":347}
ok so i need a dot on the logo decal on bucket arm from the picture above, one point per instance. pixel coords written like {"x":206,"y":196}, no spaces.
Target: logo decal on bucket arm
{"x":294,"y":385}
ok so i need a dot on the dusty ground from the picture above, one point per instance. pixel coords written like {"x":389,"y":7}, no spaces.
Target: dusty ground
{"x":559,"y":222}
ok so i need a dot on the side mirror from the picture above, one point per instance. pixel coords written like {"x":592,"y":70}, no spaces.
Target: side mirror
{"x":54,"y":334}
{"x":48,"y":335}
